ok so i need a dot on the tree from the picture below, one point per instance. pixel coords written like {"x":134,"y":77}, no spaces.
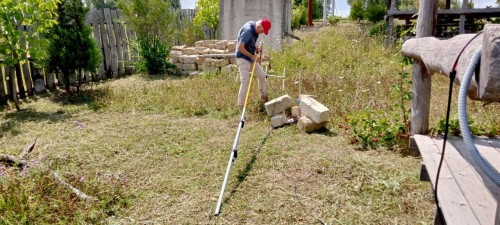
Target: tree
{"x":207,"y":13}
{"x":38,"y":16}
{"x":155,"y":24}
{"x":357,"y":11}
{"x":190,"y":33}
{"x":72,"y":48}
{"x":101,"y":4}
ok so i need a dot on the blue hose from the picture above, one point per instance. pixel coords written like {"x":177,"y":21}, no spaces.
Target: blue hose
{"x":485,"y":166}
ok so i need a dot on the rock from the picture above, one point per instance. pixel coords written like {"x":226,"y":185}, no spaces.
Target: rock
{"x":178,"y":48}
{"x":200,"y":50}
{"x":189,"y":67}
{"x":231,"y":45}
{"x":200,"y":60}
{"x":296,"y":112}
{"x":489,"y":79}
{"x":221,"y":45}
{"x":189,"y":51}
{"x":217,"y":51}
{"x":188,"y":59}
{"x":199,"y":44}
{"x":212,"y":46}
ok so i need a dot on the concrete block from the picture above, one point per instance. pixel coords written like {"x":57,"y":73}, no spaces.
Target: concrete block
{"x":189,"y":67}
{"x":173,"y":52}
{"x":296,"y":112}
{"x":305,"y":124}
{"x":200,"y":60}
{"x":313,"y":109}
{"x":179,"y":47}
{"x":200,"y":50}
{"x":217,"y":51}
{"x":174,"y":59}
{"x":198,"y":44}
{"x":278,"y":105}
{"x":194,"y":73}
{"x":231,"y":45}
{"x":220,"y":62}
{"x":232,"y":60}
{"x":221,"y":45}
{"x":189,"y":51}
{"x":178,"y":65}
{"x":188,"y":59}
{"x":278,"y":120}
{"x":212,"y":46}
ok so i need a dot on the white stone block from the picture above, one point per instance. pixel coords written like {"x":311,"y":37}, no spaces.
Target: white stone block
{"x":278,"y":105}
{"x":489,"y":80}
{"x":278,"y":120}
{"x":231,"y":46}
{"x":314,"y":110}
{"x":200,"y":50}
{"x":188,"y":59}
{"x":198,"y":44}
{"x":189,"y":66}
{"x":178,"y":48}
{"x":221,"y":45}
{"x":296,"y":112}
{"x":189,"y":51}
{"x":200,"y":60}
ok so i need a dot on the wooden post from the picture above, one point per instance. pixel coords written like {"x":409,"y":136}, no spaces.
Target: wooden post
{"x":427,"y":19}
{"x":390,"y":23}
{"x":309,"y":13}
{"x":461,"y":24}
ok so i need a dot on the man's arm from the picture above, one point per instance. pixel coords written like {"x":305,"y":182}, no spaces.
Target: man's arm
{"x":242,"y":49}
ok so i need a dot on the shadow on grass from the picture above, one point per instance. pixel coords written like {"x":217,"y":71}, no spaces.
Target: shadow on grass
{"x":242,"y":175}
{"x":12,"y":120}
{"x":147,"y":77}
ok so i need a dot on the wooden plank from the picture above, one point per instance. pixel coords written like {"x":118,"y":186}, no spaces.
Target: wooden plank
{"x":124,"y":41}
{"x":20,"y":84}
{"x":3,"y":88}
{"x":27,"y":78}
{"x":97,"y":36}
{"x":8,"y":88}
{"x":453,"y":204}
{"x":461,"y":26}
{"x":112,"y":42}
{"x":105,"y":43}
{"x":49,"y":81}
{"x":481,"y":194}
{"x":119,"y":52}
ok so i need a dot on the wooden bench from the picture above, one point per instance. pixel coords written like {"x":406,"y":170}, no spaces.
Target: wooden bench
{"x":466,"y":195}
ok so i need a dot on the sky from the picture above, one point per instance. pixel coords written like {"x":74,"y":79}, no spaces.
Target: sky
{"x":342,"y":9}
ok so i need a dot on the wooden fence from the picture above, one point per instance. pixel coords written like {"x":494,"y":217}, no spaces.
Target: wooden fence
{"x":114,"y":39}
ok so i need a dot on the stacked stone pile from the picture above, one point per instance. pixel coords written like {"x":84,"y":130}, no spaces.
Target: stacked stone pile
{"x":207,"y":56}
{"x":311,"y":114}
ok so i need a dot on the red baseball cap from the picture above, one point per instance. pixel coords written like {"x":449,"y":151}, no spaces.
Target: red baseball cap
{"x":266,"y":24}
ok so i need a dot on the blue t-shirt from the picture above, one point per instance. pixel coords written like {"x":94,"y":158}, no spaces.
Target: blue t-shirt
{"x":248,"y":36}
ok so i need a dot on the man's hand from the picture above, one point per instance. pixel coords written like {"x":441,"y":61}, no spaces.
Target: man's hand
{"x":256,"y":58}
{"x":257,"y":50}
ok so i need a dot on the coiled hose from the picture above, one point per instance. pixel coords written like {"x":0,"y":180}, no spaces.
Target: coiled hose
{"x":485,"y":166}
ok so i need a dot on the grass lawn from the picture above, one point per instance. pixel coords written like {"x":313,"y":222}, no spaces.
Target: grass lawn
{"x":154,"y":150}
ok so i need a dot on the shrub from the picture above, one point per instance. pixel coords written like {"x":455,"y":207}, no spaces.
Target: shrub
{"x":375,"y":12}
{"x":299,"y":17}
{"x":334,"y":20}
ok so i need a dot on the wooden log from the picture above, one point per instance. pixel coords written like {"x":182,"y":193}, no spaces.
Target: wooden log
{"x":421,"y":80}
{"x":112,"y":42}
{"x":11,"y":160}
{"x":390,"y":24}
{"x":27,"y":149}
{"x":84,"y":197}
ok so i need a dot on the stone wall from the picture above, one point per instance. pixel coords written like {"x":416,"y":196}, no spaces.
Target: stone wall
{"x":207,"y":56}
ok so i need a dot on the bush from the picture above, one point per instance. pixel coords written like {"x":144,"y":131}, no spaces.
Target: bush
{"x":299,"y":17}
{"x":357,"y":11}
{"x":375,"y":12}
{"x":154,"y":54}
{"x":378,"y":28}
{"x":334,"y":20}
{"x":190,"y":33}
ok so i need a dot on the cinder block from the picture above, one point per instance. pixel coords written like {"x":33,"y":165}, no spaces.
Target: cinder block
{"x":278,"y":105}
{"x":296,"y":112}
{"x":278,"y":120}
{"x":316,"y":111}
{"x":305,"y":124}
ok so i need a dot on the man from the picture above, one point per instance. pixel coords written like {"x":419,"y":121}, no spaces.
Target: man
{"x":247,"y":53}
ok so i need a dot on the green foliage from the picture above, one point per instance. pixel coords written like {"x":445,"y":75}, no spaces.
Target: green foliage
{"x":334,"y":20}
{"x":39,"y":16}
{"x":207,"y":13}
{"x":155,"y":23}
{"x":375,"y":12}
{"x":378,"y":28}
{"x":155,"y":55}
{"x":190,"y":33}
{"x":72,"y":47}
{"x":375,"y":128}
{"x":317,"y":7}
{"x":299,"y":17}
{"x":357,"y":12}
{"x":101,"y":4}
